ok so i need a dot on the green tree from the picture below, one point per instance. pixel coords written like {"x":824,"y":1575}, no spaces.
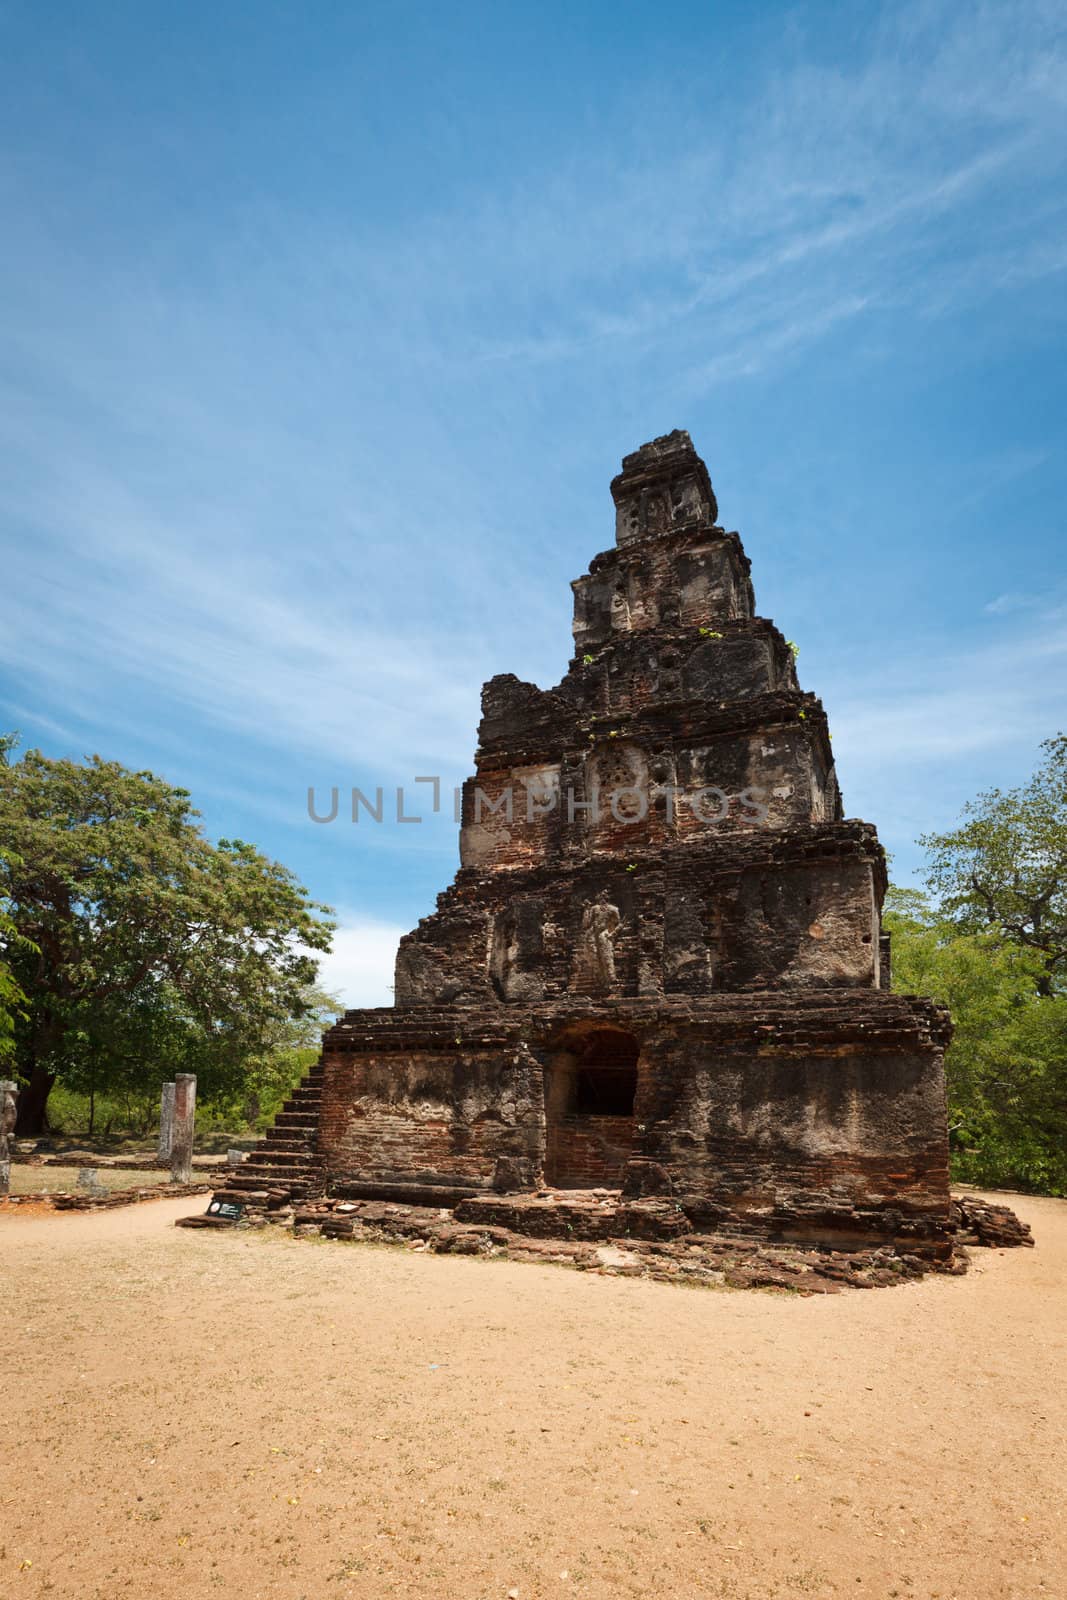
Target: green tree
{"x":274,"y":1070}
{"x":123,"y":1050}
{"x":12,"y":999}
{"x":1004,"y":869}
{"x":995,"y":949}
{"x":1006,"y":1067}
{"x":148,"y":942}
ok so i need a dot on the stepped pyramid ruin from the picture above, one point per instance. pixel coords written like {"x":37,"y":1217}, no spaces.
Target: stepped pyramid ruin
{"x":660,"y":968}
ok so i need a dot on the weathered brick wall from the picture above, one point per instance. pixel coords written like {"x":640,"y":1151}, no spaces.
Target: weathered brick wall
{"x":588,"y":1151}
{"x":813,"y":1131}
{"x":769,"y":757}
{"x":740,"y":659}
{"x":791,"y":910}
{"x":810,"y":1115}
{"x":429,"y":1116}
{"x":697,"y":578}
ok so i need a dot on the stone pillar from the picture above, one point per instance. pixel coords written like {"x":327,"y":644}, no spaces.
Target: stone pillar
{"x":166,"y":1122}
{"x":181,"y":1149}
{"x":9,"y":1099}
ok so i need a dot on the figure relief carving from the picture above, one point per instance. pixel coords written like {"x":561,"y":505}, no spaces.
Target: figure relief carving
{"x":515,"y":950}
{"x":595,"y":964}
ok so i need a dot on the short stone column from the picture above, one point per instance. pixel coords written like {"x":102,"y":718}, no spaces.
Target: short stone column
{"x":166,"y":1123}
{"x":181,"y":1148}
{"x":9,"y":1099}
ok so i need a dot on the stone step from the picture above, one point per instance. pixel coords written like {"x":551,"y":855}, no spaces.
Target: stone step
{"x":263,"y":1191}
{"x":408,"y":1194}
{"x":294,"y":1163}
{"x":289,"y":1162}
{"x":283,"y":1170}
{"x":284,"y":1160}
{"x":294,"y":1183}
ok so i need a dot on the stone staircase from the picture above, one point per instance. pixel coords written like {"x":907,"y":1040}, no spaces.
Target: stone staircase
{"x":285,"y":1161}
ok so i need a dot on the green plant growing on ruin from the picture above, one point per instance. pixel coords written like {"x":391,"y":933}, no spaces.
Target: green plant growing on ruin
{"x":587,"y":661}
{"x":709,"y":633}
{"x":792,"y":645}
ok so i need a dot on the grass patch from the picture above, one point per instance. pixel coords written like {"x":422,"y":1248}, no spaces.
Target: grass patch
{"x":64,"y":1180}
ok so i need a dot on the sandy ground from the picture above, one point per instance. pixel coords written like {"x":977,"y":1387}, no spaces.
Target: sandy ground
{"x":187,"y":1413}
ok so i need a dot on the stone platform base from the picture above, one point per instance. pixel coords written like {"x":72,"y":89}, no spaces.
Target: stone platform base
{"x":600,"y":1231}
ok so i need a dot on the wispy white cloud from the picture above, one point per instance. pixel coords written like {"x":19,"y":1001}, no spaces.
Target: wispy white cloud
{"x":913,"y":737}
{"x":263,"y":500}
{"x":1006,"y":603}
{"x":839,"y":186}
{"x":359,"y":967}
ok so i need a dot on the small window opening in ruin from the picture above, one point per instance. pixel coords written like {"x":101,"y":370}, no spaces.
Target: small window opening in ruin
{"x":606,"y":1076}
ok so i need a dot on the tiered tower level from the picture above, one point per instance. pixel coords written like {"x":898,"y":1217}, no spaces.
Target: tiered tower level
{"x":660,"y":967}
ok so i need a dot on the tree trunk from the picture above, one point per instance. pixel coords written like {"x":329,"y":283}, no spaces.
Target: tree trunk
{"x":33,"y":1104}
{"x":44,"y":1042}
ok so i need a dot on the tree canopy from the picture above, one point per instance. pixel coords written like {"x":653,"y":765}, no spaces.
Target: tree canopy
{"x":135,"y":939}
{"x":1004,"y":869}
{"x":12,"y":999}
{"x":990,"y":940}
{"x":1006,"y":1068}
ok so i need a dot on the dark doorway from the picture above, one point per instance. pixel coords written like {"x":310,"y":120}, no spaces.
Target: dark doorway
{"x":589,"y":1107}
{"x":607,"y":1075}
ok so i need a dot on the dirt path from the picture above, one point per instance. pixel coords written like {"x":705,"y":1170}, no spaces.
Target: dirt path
{"x":189,"y":1413}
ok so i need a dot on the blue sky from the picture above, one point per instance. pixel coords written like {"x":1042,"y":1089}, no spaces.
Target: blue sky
{"x":323,"y":329}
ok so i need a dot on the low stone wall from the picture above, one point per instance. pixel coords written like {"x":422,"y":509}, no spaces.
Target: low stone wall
{"x":102,"y":1200}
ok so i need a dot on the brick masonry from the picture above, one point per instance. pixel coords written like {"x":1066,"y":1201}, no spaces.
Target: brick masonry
{"x":660,"y":967}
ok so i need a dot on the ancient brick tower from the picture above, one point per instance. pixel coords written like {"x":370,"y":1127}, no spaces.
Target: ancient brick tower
{"x":660,"y":966}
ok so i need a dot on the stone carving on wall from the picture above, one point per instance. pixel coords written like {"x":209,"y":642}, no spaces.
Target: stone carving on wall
{"x":595,"y":960}
{"x":617,"y":775}
{"x":687,"y":958}
{"x":515,"y":950}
